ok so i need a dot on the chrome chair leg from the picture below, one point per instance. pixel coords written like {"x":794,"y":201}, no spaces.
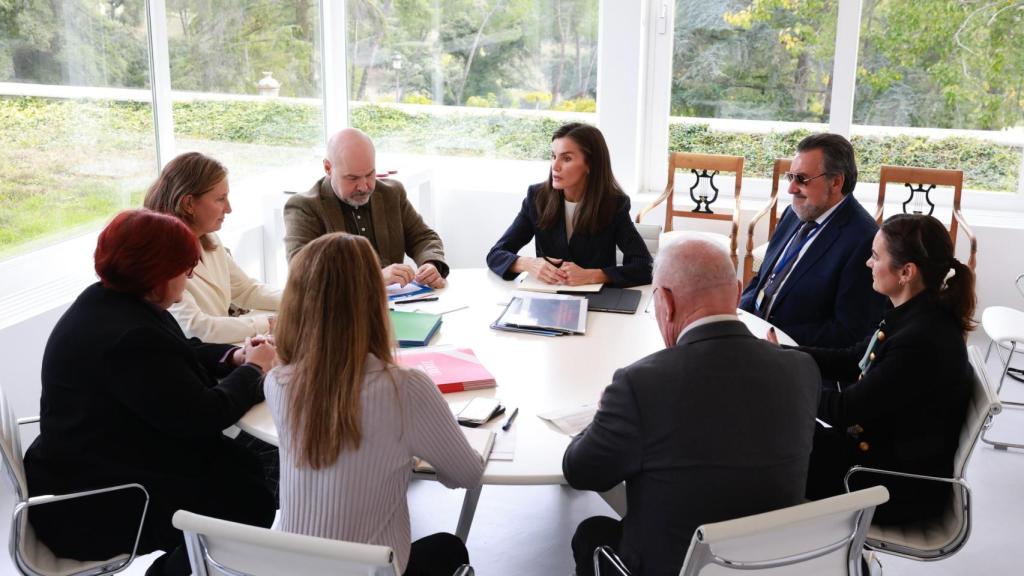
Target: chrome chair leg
{"x":1006,"y":369}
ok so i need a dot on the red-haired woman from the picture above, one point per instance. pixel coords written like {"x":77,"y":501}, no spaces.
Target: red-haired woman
{"x":127,"y":398}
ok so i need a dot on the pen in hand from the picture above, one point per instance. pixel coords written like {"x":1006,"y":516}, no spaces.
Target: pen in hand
{"x":552,"y":262}
{"x":508,"y":421}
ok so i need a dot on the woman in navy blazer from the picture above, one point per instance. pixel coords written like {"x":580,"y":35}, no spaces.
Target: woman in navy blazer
{"x":578,"y":217}
{"x":128,"y":399}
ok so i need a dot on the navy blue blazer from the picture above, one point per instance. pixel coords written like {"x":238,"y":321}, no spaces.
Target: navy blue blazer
{"x":827,"y":299}
{"x":585,"y":250}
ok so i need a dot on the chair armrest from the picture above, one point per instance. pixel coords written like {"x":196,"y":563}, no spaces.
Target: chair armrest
{"x":664,"y":194}
{"x":28,"y":420}
{"x":856,"y":469}
{"x":20,"y":508}
{"x":757,"y":218}
{"x":464,"y":570}
{"x":608,"y":554}
{"x":970,"y":236}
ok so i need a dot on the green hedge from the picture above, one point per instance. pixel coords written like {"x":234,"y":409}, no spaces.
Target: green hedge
{"x":68,"y":163}
{"x":986,"y":165}
{"x":494,"y":135}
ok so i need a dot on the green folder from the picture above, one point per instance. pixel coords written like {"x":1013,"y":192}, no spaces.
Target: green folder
{"x":414,"y":328}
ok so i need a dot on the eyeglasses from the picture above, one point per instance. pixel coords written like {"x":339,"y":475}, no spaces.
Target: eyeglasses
{"x":800,"y":178}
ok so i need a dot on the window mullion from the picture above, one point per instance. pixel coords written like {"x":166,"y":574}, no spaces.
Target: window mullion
{"x":335,"y":65}
{"x":844,"y":66}
{"x":160,"y":81}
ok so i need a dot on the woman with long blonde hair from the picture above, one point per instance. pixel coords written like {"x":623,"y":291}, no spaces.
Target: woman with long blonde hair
{"x":350,"y":420}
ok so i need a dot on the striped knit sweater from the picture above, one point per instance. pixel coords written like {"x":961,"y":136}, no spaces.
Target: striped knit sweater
{"x":362,"y":496}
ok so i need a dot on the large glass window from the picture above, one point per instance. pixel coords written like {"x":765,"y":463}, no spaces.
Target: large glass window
{"x":76,"y":128}
{"x":750,"y":77}
{"x":489,"y":78}
{"x":954,"y":71}
{"x":246,"y":88}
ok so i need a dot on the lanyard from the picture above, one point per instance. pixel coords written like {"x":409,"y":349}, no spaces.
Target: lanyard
{"x":781,"y":264}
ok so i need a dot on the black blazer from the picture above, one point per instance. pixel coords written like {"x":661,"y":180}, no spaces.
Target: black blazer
{"x":585,"y":250}
{"x":127,"y":398}
{"x":827,"y":299}
{"x":909,"y":406}
{"x":699,"y":437}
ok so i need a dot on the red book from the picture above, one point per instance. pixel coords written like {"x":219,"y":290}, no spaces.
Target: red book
{"x":452,"y":369}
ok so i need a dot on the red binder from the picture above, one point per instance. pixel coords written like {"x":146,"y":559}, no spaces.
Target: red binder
{"x":452,"y":369}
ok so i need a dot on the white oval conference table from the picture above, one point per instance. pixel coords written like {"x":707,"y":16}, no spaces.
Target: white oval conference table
{"x":535,"y":374}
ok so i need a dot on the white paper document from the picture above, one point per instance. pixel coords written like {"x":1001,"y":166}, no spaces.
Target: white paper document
{"x":571,"y":421}
{"x":531,"y":283}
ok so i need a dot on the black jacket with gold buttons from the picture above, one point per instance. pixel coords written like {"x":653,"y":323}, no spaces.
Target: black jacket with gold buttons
{"x":905,"y":411}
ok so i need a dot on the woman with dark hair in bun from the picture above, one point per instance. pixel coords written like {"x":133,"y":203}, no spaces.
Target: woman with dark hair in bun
{"x":903,"y":392}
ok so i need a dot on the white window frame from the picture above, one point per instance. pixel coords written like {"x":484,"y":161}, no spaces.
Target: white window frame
{"x":657,"y":99}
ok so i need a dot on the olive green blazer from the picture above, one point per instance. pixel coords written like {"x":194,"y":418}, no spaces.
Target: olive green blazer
{"x":398,"y":228}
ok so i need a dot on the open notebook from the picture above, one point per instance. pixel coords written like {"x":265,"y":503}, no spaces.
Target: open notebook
{"x":480,"y":439}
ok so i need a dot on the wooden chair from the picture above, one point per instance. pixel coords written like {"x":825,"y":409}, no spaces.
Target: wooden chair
{"x":703,"y":192}
{"x":755,"y":256}
{"x":920,"y":182}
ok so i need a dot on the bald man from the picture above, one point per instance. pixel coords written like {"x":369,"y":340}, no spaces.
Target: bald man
{"x":717,"y":425}
{"x":349,"y":198}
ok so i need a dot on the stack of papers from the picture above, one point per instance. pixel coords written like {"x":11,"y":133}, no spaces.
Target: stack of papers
{"x":409,"y":293}
{"x":452,"y":369}
{"x":544,"y":314}
{"x":481,"y":440}
{"x":571,"y":421}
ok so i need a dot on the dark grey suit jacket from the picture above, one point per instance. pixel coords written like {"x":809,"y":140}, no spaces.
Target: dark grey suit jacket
{"x":716,"y":427}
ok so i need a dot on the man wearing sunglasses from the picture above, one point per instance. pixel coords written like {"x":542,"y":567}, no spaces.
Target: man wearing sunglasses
{"x":813,"y":283}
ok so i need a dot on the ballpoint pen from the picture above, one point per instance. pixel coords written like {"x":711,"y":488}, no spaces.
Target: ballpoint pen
{"x":552,"y":262}
{"x":417,"y":300}
{"x":508,"y":421}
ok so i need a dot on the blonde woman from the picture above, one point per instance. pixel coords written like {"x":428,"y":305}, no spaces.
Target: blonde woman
{"x":194,"y":187}
{"x":350,"y":420}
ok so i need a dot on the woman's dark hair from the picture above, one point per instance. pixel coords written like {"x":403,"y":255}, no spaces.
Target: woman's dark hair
{"x":924,"y":241}
{"x":602,"y":195}
{"x":141,"y":250}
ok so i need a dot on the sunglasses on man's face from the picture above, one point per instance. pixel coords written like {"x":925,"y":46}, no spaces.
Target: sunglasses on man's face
{"x":800,"y":178}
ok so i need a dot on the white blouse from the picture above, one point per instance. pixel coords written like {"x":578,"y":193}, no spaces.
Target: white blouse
{"x":216,"y":283}
{"x":570,"y":215}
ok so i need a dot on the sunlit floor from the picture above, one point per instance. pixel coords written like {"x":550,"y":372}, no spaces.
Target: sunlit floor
{"x":526,"y":530}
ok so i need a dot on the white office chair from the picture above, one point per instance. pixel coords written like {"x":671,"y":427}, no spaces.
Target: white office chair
{"x":651,"y":234}
{"x":29,"y":555}
{"x":937,"y":538}
{"x":222,"y":547}
{"x":816,"y":538}
{"x":1005,"y":328}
